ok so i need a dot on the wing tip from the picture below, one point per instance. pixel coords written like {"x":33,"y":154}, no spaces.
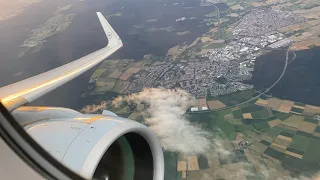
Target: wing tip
{"x":112,"y":36}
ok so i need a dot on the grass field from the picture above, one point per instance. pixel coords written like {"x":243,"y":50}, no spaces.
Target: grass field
{"x":312,"y":152}
{"x":234,"y":98}
{"x":237,"y":114}
{"x":261,"y":126}
{"x":299,"y":142}
{"x":170,"y":160}
{"x":251,"y":109}
{"x":261,"y":114}
{"x":228,"y":129}
{"x":98,"y":73}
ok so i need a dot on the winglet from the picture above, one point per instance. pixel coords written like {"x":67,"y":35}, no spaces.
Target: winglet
{"x":113,"y":38}
{"x":25,"y":91}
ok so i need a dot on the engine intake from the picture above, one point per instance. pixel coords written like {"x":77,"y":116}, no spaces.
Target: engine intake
{"x":96,"y":146}
{"x":129,"y":157}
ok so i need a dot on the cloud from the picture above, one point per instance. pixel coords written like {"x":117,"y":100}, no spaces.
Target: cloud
{"x":89,"y":109}
{"x":167,"y":119}
{"x":165,"y":115}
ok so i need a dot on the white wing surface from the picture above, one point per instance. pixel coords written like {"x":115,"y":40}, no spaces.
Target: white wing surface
{"x":25,"y":91}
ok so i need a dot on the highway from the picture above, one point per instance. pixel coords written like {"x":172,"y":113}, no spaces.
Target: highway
{"x":219,"y":22}
{"x":268,"y":89}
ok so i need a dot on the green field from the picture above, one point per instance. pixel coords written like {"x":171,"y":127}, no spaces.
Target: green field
{"x":261,"y":114}
{"x":228,"y":129}
{"x":314,"y":121}
{"x":299,"y":142}
{"x":233,"y":98}
{"x":170,"y":168}
{"x":312,"y":152}
{"x":237,"y":114}
{"x":283,"y":116}
{"x":297,"y":110}
{"x":97,"y":73}
{"x":261,"y":126}
{"x":251,"y":109}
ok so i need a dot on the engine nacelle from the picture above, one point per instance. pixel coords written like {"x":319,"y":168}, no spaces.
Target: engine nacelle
{"x":95,"y":146}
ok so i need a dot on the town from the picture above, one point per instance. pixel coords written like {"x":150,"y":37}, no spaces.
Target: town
{"x":210,"y":66}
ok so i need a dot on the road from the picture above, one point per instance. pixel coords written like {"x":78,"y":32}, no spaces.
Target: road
{"x":219,"y":22}
{"x":268,"y":89}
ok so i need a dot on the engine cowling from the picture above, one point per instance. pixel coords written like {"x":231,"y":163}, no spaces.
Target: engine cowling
{"x":95,"y":146}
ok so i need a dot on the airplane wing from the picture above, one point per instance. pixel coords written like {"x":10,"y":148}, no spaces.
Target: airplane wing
{"x":25,"y":91}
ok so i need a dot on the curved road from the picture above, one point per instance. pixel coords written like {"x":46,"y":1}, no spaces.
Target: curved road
{"x":268,"y":89}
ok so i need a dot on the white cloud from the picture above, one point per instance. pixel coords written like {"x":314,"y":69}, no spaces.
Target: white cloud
{"x":167,"y":119}
{"x":94,"y":108}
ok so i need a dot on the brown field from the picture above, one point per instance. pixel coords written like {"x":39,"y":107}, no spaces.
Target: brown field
{"x":278,"y":147}
{"x":285,"y":106}
{"x":173,"y":51}
{"x":307,"y":127}
{"x":193,"y":164}
{"x":204,"y":52}
{"x":239,"y":137}
{"x":216,"y":104}
{"x":228,"y":117}
{"x":258,"y":147}
{"x":182,"y":166}
{"x":300,"y":107}
{"x":247,"y":116}
{"x":314,"y":22}
{"x":294,"y":154}
{"x":285,"y":138}
{"x":205,"y":39}
{"x":293,"y":121}
{"x":184,"y":174}
{"x":311,"y":110}
{"x":316,"y":134}
{"x":202,"y":102}
{"x":281,"y":142}
{"x":128,"y":73}
{"x":236,"y":7}
{"x":115,"y":74}
{"x":274,"y":123}
{"x":261,"y":102}
{"x":274,"y":103}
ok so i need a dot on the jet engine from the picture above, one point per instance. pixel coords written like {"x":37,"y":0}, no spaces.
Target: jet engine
{"x":95,"y":146}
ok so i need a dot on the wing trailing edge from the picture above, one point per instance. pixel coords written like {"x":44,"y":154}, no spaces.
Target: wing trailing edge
{"x":25,"y":91}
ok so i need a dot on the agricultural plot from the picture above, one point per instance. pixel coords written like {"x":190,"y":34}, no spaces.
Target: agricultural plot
{"x":237,"y":114}
{"x":299,"y":142}
{"x":293,"y":121}
{"x":260,"y":114}
{"x":235,"y":98}
{"x":307,"y":127}
{"x":251,"y":109}
{"x":312,"y":152}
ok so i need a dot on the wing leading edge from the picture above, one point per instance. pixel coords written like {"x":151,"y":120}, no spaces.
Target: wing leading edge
{"x":25,"y":91}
